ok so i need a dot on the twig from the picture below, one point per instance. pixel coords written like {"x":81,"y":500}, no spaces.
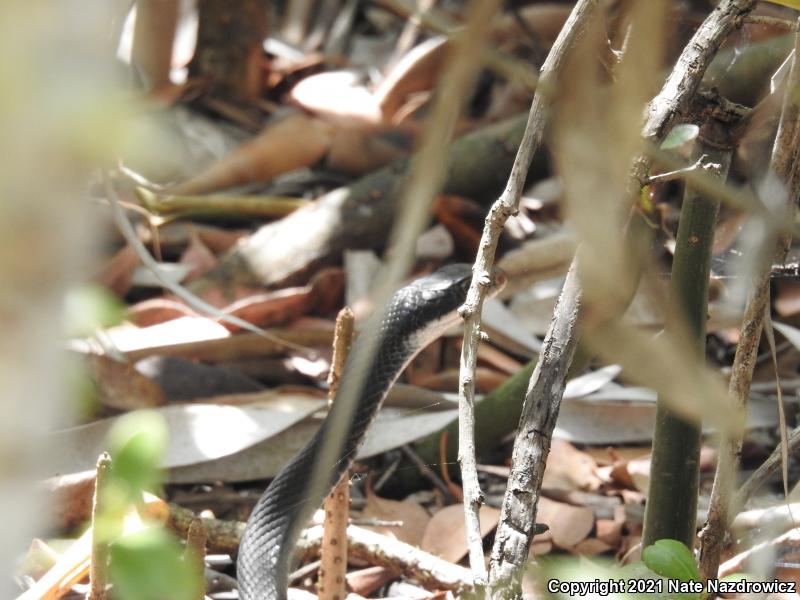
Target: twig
{"x":766,"y":470}
{"x":505,"y":206}
{"x":426,"y":471}
{"x":503,"y":64}
{"x":408,"y":37}
{"x":776,"y":22}
{"x":455,"y":490}
{"x":428,"y":570}
{"x":781,"y":167}
{"x":221,"y":536}
{"x":98,"y":569}
{"x":195,"y":553}
{"x":700,"y":164}
{"x":546,"y":387}
{"x":333,"y":564}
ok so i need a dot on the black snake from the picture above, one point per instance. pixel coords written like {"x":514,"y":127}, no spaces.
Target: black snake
{"x":415,"y":316}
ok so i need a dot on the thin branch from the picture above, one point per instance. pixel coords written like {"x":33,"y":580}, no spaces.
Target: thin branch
{"x":505,"y":206}
{"x":98,"y":568}
{"x":771,"y":22}
{"x":333,"y":566}
{"x":700,"y":164}
{"x":767,"y":469}
{"x":781,"y":167}
{"x":546,"y":388}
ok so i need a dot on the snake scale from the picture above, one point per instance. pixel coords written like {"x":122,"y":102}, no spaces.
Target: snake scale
{"x":416,"y":315}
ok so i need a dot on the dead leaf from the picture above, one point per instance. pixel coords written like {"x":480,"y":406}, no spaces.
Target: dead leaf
{"x":197,"y":257}
{"x":366,"y":581}
{"x":417,"y":71}
{"x":127,"y":338}
{"x":198,"y":432}
{"x":570,"y":469}
{"x":117,"y":273}
{"x":158,"y":310}
{"x":444,"y":537}
{"x":293,"y":142}
{"x":568,"y":524}
{"x":591,"y":547}
{"x":121,"y":386}
{"x":338,"y":97}
{"x":323,"y":294}
{"x":415,"y":518}
{"x":356,"y":151}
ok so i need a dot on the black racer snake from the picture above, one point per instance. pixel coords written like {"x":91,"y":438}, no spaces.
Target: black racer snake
{"x":416,"y":315}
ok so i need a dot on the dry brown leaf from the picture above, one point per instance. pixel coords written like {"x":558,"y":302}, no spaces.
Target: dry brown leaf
{"x":359,"y":150}
{"x":445,"y":537}
{"x":569,"y":525}
{"x":591,"y":547}
{"x":610,"y":530}
{"x":418,"y":71}
{"x":787,"y":298}
{"x":338,"y":98}
{"x":323,"y":294}
{"x":415,"y":518}
{"x":461,"y":219}
{"x":121,"y":386}
{"x":158,"y":310}
{"x":197,"y":257}
{"x":541,"y":546}
{"x":117,"y":273}
{"x":293,"y":142}
{"x":570,"y":469}
{"x":366,"y":581}
{"x":633,"y":474}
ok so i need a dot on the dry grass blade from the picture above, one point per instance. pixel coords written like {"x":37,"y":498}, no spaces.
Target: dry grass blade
{"x":770,"y":335}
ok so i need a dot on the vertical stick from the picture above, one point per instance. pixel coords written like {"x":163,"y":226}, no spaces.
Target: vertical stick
{"x":98,"y":569}
{"x":333,"y":565}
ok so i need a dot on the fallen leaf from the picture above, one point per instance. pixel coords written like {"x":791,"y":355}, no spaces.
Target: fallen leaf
{"x":198,"y":432}
{"x":417,"y":71}
{"x":445,"y":537}
{"x":366,"y":581}
{"x":338,"y":97}
{"x":158,"y":310}
{"x":293,"y":142}
{"x":591,"y":547}
{"x":569,"y":525}
{"x":197,"y":257}
{"x":570,"y":469}
{"x":117,"y":273}
{"x":413,"y":516}
{"x":392,"y":428}
{"x":121,"y":386}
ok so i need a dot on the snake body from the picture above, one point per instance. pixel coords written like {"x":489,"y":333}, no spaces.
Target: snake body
{"x":416,"y":315}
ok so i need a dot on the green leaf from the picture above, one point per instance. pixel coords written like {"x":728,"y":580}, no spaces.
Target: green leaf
{"x":679,"y":135}
{"x":148,"y":566}
{"x":137,"y":443}
{"x":89,"y":308}
{"x":671,"y":559}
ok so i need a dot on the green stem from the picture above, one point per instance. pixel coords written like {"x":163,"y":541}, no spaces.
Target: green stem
{"x":671,"y":511}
